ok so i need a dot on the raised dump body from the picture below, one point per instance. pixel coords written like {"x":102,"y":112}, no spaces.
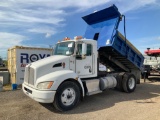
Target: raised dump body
{"x":115,"y":51}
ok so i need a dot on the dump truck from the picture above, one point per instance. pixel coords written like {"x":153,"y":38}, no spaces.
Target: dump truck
{"x":73,"y":71}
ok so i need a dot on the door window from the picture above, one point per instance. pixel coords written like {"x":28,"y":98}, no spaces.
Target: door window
{"x":89,"y":50}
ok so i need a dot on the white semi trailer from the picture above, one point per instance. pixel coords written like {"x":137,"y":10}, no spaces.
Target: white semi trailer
{"x":72,"y":72}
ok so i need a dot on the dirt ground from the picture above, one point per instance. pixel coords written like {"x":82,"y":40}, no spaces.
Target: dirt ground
{"x":143,"y":104}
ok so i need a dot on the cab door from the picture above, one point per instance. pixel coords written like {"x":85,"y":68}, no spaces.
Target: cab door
{"x":84,"y":65}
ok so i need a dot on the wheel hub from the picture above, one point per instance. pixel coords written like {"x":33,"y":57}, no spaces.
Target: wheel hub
{"x":131,"y":83}
{"x":68,"y":96}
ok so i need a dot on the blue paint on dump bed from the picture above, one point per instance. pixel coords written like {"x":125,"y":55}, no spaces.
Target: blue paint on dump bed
{"x":102,"y":27}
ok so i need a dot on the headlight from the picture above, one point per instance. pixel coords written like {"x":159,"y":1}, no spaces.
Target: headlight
{"x":45,"y":85}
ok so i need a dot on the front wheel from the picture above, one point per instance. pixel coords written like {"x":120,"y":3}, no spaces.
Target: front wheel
{"x":67,"y":96}
{"x":129,"y":82}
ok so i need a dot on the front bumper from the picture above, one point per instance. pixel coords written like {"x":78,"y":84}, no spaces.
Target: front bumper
{"x":39,"y":96}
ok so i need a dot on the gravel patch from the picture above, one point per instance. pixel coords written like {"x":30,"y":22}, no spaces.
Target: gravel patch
{"x":143,"y":104}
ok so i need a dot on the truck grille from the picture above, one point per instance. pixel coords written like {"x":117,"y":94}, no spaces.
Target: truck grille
{"x":26,"y":75}
{"x":29,"y":75}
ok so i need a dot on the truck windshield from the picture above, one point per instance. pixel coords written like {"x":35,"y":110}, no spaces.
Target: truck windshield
{"x":64,"y":48}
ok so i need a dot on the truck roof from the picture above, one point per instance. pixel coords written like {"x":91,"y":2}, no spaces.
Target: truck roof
{"x":83,"y":39}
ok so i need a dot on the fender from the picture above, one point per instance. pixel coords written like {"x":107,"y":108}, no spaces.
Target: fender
{"x":58,"y":77}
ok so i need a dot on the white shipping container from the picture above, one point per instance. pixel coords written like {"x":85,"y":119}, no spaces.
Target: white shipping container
{"x":20,"y":56}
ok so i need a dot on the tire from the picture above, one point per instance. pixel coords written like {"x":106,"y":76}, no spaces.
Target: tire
{"x":129,"y":82}
{"x":119,"y":81}
{"x":67,"y":96}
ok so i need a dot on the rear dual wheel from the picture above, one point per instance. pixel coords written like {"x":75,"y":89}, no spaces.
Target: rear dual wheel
{"x":119,"y":79}
{"x":129,"y":82}
{"x":126,"y":82}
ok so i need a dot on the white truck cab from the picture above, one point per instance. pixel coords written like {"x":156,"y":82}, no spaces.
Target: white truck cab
{"x":72,"y":61}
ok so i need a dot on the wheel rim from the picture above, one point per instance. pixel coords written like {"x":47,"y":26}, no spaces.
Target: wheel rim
{"x":131,"y":83}
{"x":68,"y":96}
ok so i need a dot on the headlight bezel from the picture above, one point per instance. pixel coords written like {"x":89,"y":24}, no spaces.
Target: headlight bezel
{"x":45,"y":85}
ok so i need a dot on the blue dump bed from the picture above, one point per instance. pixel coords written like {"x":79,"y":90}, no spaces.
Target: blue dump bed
{"x":114,"y":49}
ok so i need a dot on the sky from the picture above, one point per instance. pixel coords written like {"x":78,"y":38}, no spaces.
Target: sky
{"x":41,"y":23}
